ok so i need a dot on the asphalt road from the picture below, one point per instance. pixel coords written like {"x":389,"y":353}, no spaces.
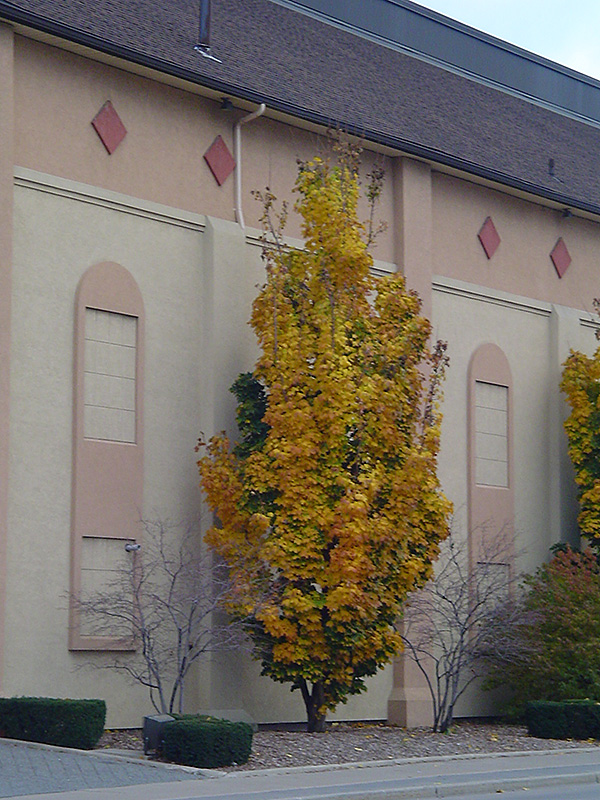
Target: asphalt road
{"x":560,"y":792}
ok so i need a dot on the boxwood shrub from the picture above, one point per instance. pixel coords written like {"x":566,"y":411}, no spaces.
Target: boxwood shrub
{"x":68,"y":723}
{"x":198,"y":741}
{"x":568,"y":719}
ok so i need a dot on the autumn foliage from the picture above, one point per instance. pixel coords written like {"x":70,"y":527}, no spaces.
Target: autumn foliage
{"x":545,"y":645}
{"x":581,"y":384}
{"x":330,"y":508}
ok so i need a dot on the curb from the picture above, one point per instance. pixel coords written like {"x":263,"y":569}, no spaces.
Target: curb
{"x":397,"y":762}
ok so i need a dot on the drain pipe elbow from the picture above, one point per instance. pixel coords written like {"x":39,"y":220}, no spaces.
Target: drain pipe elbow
{"x":237,"y":147}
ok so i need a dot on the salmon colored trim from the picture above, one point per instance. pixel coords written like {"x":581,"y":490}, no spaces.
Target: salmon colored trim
{"x":409,"y":703}
{"x":491,"y":508}
{"x":6,"y":241}
{"x":412,"y":227}
{"x":108,"y":478}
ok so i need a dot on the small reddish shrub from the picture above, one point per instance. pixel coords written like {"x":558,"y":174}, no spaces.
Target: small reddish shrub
{"x":547,"y":646}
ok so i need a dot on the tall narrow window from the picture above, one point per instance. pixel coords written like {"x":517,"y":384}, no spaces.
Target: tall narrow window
{"x":490,"y":461}
{"x":491,"y":434}
{"x":109,"y":376}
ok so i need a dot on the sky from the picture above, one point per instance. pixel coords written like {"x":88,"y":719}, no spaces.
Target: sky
{"x":566,"y":31}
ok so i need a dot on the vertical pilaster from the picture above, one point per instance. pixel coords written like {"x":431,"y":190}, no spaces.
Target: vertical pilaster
{"x":409,"y":703}
{"x":231,"y":284}
{"x":413,"y":227}
{"x":231,"y":269}
{"x":6,"y":236}
{"x":562,"y":497}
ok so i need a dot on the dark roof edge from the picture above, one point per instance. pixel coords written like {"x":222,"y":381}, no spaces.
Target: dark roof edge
{"x":437,"y":39}
{"x":61,"y":31}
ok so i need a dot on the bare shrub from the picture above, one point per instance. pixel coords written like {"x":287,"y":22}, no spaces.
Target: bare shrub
{"x":167,"y":602}
{"x":445,"y":625}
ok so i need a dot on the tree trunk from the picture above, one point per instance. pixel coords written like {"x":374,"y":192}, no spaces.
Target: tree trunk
{"x":314,"y":703}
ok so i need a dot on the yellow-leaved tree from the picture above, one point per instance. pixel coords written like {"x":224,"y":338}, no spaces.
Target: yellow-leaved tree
{"x":330,"y":510}
{"x":581,"y":385}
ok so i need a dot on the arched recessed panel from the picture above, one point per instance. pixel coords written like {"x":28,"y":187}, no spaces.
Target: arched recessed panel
{"x":107,"y":484}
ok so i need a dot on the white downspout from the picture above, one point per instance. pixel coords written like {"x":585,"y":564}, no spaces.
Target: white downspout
{"x":237,"y":148}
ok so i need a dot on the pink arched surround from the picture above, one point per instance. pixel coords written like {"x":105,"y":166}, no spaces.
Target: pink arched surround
{"x":107,"y":482}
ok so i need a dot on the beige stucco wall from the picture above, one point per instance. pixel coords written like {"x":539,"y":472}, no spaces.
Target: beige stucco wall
{"x":197,"y":277}
{"x":237,"y":683}
{"x":467,"y":315}
{"x":516,"y":300}
{"x":139,"y":207}
{"x":523,"y":335}
{"x":56,"y":239}
{"x":6,"y":227}
{"x":57,"y":94}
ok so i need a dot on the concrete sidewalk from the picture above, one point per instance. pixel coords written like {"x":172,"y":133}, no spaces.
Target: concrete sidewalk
{"x":94,"y":776}
{"x":28,"y":768}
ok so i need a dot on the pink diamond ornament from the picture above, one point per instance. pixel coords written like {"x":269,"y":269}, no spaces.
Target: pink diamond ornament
{"x":109,"y":127}
{"x":489,"y":238}
{"x":560,"y":257}
{"x":220,"y":161}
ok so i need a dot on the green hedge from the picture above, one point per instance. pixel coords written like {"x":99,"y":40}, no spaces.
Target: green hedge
{"x":569,"y":719}
{"x":68,"y":723}
{"x":206,"y":742}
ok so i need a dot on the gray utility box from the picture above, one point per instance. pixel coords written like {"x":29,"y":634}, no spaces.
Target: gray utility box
{"x":153,"y":731}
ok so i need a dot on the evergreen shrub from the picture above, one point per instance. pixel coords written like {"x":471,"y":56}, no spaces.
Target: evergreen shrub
{"x":206,"y":742}
{"x":570,"y":719}
{"x":67,"y":723}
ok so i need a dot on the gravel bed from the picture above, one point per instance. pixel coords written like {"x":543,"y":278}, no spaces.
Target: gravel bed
{"x":344,"y":743}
